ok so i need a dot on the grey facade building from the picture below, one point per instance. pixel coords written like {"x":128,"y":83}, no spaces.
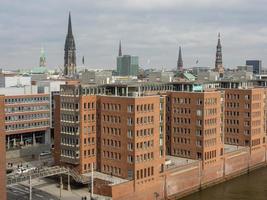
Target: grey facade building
{"x":256,"y":64}
{"x":70,"y":53}
{"x":127,"y":65}
{"x":96,"y":77}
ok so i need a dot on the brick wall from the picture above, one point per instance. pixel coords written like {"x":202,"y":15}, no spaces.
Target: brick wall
{"x":2,"y":151}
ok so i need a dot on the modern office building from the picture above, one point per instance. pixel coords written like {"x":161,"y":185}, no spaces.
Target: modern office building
{"x":256,"y":64}
{"x":26,"y":120}
{"x":127,"y":65}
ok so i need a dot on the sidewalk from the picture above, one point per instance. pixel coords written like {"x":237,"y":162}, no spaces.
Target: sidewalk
{"x":51,"y":187}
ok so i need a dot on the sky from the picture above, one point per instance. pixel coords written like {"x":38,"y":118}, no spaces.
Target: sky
{"x":150,"y":29}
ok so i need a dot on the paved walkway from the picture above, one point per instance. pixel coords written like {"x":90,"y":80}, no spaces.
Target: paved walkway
{"x":49,"y":186}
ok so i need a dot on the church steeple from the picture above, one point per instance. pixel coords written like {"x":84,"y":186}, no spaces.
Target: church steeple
{"x":70,"y":53}
{"x":120,"y":51}
{"x":180,"y":61}
{"x":42,"y":62}
{"x":218,"y":62}
{"x":69,"y":26}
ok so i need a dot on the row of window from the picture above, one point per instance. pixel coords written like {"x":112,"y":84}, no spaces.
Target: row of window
{"x":69,"y":117}
{"x":181,"y":152}
{"x":69,"y":106}
{"x":69,"y":153}
{"x":143,"y":173}
{"x":26,"y":117}
{"x":210,"y":155}
{"x":13,"y":127}
{"x":69,"y":141}
{"x":89,"y":129}
{"x":145,"y":120}
{"x":111,"y":119}
{"x":181,"y":130}
{"x":25,"y":109}
{"x":181,"y":140}
{"x":89,"y":105}
{"x":145,"y":144}
{"x":112,"y":143}
{"x":89,"y":152}
{"x":232,"y":121}
{"x":178,"y":120}
{"x":182,"y":110}
{"x":112,"y":155}
{"x":144,"y":157}
{"x":26,"y":100}
{"x":112,"y":131}
{"x":111,"y":106}
{"x":89,"y":118}
{"x":111,"y":170}
{"x":69,"y":129}
{"x":89,"y":140}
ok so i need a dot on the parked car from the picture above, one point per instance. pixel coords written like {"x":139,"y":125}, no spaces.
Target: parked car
{"x":45,"y":153}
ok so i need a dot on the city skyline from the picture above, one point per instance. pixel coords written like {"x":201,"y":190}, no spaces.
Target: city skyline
{"x":151,"y":31}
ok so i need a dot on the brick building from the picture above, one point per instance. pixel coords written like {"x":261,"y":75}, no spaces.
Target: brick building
{"x":244,"y":117}
{"x":2,"y":151}
{"x":194,"y":125}
{"x":119,"y":135}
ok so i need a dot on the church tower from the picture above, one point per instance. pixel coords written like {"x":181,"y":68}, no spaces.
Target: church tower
{"x":120,"y":51}
{"x":70,"y":53}
{"x":42,"y":62}
{"x":180,"y":61}
{"x":218,"y":62}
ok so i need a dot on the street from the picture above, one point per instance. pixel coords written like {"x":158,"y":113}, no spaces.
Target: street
{"x":21,"y":192}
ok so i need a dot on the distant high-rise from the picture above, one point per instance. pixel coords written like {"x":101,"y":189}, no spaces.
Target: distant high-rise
{"x":218,"y":62}
{"x":127,"y":65}
{"x":42,"y":62}
{"x":70,"y":53}
{"x":256,"y":64}
{"x":180,"y":61}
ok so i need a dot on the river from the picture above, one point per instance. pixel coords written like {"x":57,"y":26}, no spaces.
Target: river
{"x":252,"y":186}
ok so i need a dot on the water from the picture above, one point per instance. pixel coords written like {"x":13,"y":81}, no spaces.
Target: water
{"x":251,"y":186}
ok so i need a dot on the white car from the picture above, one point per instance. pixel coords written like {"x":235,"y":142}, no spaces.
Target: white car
{"x":45,"y":153}
{"x":25,"y":170}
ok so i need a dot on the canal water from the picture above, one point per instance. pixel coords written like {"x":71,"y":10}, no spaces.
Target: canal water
{"x":252,"y":186}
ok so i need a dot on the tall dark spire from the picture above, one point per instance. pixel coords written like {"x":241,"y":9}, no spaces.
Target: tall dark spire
{"x":69,"y":26}
{"x":70,"y":53}
{"x":218,"y":62}
{"x":180,"y":61}
{"x":120,"y":52}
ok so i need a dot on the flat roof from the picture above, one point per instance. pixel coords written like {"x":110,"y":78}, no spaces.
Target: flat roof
{"x":175,"y":161}
{"x":231,"y":148}
{"x":106,"y":177}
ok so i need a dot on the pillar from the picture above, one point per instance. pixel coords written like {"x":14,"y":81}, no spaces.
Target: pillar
{"x":8,"y":142}
{"x":48,"y":136}
{"x":33,"y":139}
{"x":116,"y":91}
{"x":126,"y":93}
{"x":68,"y":180}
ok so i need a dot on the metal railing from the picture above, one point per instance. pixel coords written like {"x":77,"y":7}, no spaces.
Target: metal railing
{"x":46,"y":172}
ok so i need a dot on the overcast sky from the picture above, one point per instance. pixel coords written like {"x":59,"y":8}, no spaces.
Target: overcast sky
{"x":150,"y":29}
